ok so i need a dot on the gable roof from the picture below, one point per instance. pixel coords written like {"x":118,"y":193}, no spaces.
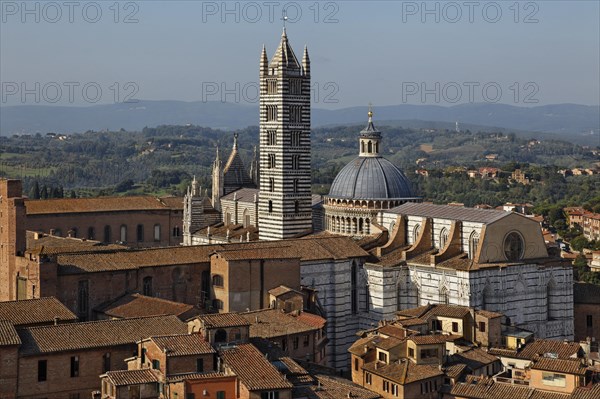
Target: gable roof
{"x":251,"y":367}
{"x":8,"y":334}
{"x":35,"y":311}
{"x":560,"y":365}
{"x":97,"y":204}
{"x":222,"y":320}
{"x":96,"y":334}
{"x":403,"y":371}
{"x":138,"y":305}
{"x":244,"y":194}
{"x":182,"y":344}
{"x":44,"y":244}
{"x":269,"y":323}
{"x":132,"y":377}
{"x":450,"y":212}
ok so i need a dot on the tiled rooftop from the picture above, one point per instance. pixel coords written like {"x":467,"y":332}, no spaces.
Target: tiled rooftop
{"x":222,"y":320}
{"x":251,"y":367}
{"x":450,"y":212}
{"x":132,"y":377}
{"x":403,"y":372}
{"x":269,"y":323}
{"x":98,"y":204}
{"x":329,"y":387}
{"x":96,"y":334}
{"x":8,"y":334}
{"x":559,"y":365}
{"x":183,"y":344}
{"x":35,"y":311}
{"x":138,"y":305}
{"x":50,"y":245}
{"x":433,"y":339}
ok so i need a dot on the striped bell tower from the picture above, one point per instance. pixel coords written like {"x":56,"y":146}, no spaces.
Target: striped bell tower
{"x":285,"y":206}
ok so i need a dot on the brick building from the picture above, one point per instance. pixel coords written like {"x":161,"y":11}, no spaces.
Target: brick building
{"x":587,"y":312}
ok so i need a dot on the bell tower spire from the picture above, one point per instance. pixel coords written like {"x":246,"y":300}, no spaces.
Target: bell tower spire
{"x":370,"y":138}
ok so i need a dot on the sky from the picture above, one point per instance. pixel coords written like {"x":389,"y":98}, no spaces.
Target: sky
{"x":523,"y":53}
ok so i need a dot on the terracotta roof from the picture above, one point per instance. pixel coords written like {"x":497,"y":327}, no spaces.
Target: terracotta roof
{"x":269,"y":323}
{"x":485,"y":388}
{"x":359,"y":346}
{"x":98,"y":204}
{"x":35,"y":311}
{"x":488,"y":314}
{"x":392,"y":331}
{"x":586,"y":293}
{"x":138,"y":305}
{"x":310,"y":319}
{"x":414,"y":312}
{"x":452,"y":311}
{"x":328,"y":387}
{"x":307,"y":249}
{"x":455,"y":370}
{"x":251,"y":367}
{"x":592,"y":392}
{"x":132,"y":377}
{"x":198,"y":376}
{"x":8,"y":334}
{"x":538,"y":347}
{"x":539,"y":394}
{"x":221,"y":320}
{"x":282,"y":289}
{"x":433,"y":339}
{"x":559,"y":365}
{"x":175,"y":203}
{"x":474,"y":358}
{"x":388,"y":343}
{"x":415,"y":321}
{"x":274,"y":252}
{"x":96,"y":334}
{"x":182,"y":344}
{"x":50,"y":245}
{"x":220,"y":230}
{"x":404,"y":371}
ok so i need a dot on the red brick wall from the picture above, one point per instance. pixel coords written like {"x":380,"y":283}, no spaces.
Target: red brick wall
{"x":8,"y":372}
{"x":12,"y":236}
{"x":59,"y":383}
{"x":582,"y":331}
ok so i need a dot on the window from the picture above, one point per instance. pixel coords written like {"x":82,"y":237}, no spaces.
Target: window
{"x":295,"y":161}
{"x":271,"y":184}
{"x":107,"y":234}
{"x":106,"y":362}
{"x":386,"y":386}
{"x":74,"y":232}
{"x":236,"y":334}
{"x":271,"y":113}
{"x":395,"y":389}
{"x":443,"y":238}
{"x":411,"y":352}
{"x":436,"y":325}
{"x":123,"y":233}
{"x":91,"y":233}
{"x":473,"y":244}
{"x":147,"y":286}
{"x":588,"y":321}
{"x":306,"y":340}
{"x":74,"y":366}
{"x":157,"y":232}
{"x":140,"y":232}
{"x":454,"y":326}
{"x":271,"y":160}
{"x":83,"y":298}
{"x":220,"y":394}
{"x":269,"y":395}
{"x":416,"y":231}
{"x":270,"y":206}
{"x":218,"y":304}
{"x":355,"y":364}
{"x":176,"y":232}
{"x":554,"y":380}
{"x":368,"y":378}
{"x":482,"y":326}
{"x":143,"y":355}
{"x":295,"y":342}
{"x":513,"y":246}
{"x":295,"y":139}
{"x":271,"y":88}
{"x":296,"y":207}
{"x":199,"y":365}
{"x":382,"y":357}
{"x":221,"y":335}
{"x":217,"y":280}
{"x":429,"y":353}
{"x":295,"y":113}
{"x":156,"y":364}
{"x":295,"y":86}
{"x":271,"y":137}
{"x":42,"y":370}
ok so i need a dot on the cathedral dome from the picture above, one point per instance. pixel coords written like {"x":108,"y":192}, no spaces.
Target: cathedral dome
{"x":370,"y":178}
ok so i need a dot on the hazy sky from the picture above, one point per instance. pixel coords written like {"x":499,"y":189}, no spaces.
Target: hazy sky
{"x":387,"y":52}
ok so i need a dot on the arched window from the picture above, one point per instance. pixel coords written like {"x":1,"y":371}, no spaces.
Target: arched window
{"x":157,"y":232}
{"x":140,"y":232}
{"x":443,"y":238}
{"x":444,"y":296}
{"x":217,"y":280}
{"x":271,"y":184}
{"x":270,"y":206}
{"x":91,"y":233}
{"x":370,"y":146}
{"x":147,"y":286}
{"x":123,"y":235}
{"x":416,"y":231}
{"x":473,"y":244}
{"x":107,"y":234}
{"x":513,"y":246}
{"x":362,"y":146}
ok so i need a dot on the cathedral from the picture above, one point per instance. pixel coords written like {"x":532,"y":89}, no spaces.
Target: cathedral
{"x":415,"y":253}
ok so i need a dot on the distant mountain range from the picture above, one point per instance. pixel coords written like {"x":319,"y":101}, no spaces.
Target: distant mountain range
{"x":563,"y":121}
